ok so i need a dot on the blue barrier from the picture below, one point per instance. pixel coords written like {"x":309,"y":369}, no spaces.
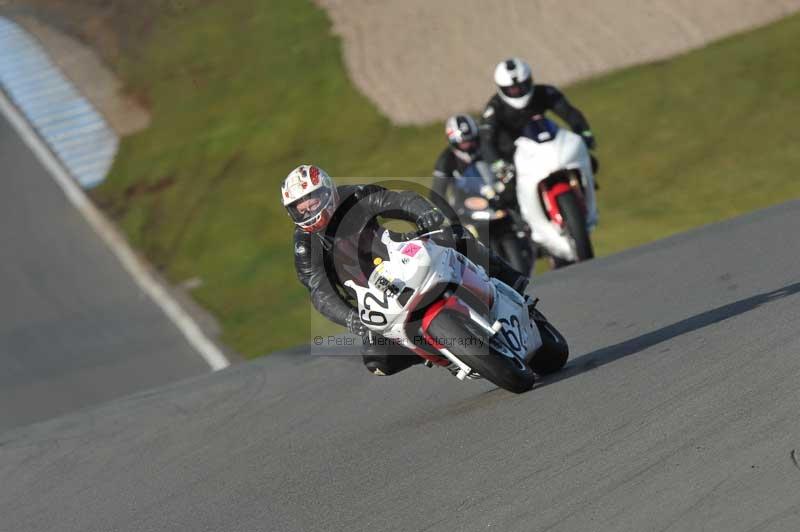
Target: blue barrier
{"x":73,"y":129}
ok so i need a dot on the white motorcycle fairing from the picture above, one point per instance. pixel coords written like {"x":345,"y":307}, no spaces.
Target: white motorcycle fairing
{"x":536,"y":160}
{"x":397,"y":287}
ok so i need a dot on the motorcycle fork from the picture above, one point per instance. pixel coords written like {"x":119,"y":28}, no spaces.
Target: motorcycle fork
{"x":554,"y":186}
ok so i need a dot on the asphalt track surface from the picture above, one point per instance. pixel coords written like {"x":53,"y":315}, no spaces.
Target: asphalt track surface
{"x":75,"y":330}
{"x":679,"y":411}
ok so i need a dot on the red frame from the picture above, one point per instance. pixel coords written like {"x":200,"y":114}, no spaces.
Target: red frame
{"x":551,"y":193}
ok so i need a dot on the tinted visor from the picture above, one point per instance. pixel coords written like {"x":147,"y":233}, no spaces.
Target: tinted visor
{"x":310,"y":205}
{"x":518,"y":89}
{"x":468,"y":146}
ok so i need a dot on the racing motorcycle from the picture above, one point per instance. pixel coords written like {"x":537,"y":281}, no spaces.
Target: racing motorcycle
{"x":477,"y":201}
{"x":556,"y":190}
{"x":434,"y":301}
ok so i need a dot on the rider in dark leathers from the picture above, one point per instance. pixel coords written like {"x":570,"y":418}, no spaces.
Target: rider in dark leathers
{"x":337,"y":238}
{"x":450,"y":183}
{"x":517,"y":100}
{"x":463,"y":149}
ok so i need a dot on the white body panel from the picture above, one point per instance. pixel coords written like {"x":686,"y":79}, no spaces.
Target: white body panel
{"x":536,"y":161}
{"x":422,"y":264}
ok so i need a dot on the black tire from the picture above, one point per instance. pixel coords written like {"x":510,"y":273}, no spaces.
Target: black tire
{"x":496,"y":245}
{"x":576,"y":225}
{"x":512,"y":375}
{"x":553,"y":354}
{"x":557,"y":262}
{"x":514,"y":254}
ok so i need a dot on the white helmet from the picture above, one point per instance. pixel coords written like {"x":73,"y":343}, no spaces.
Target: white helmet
{"x":462,"y":135}
{"x":514,"y":82}
{"x":310,"y":196}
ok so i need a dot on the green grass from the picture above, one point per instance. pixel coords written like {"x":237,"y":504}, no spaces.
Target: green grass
{"x":703,"y":137}
{"x":243,"y":92}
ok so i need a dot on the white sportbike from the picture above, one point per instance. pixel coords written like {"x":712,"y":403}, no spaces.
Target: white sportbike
{"x":556,"y":190}
{"x":436,"y":302}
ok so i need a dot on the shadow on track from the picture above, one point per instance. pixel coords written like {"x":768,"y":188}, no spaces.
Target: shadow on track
{"x":489,"y":399}
{"x":614,"y":352}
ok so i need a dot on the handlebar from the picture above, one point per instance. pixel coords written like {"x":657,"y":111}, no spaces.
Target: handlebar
{"x":413,"y":235}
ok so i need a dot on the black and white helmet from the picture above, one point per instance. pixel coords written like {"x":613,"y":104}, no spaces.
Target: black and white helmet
{"x":514,"y":82}
{"x":462,"y":135}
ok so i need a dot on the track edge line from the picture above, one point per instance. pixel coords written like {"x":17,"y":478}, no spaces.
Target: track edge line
{"x":113,"y":239}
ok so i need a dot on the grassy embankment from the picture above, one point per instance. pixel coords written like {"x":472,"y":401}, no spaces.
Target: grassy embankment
{"x":242,"y":92}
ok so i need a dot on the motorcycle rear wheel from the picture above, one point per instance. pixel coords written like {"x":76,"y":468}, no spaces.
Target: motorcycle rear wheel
{"x":469,"y":343}
{"x":553,"y":354}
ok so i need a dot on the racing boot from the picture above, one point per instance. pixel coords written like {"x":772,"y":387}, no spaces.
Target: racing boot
{"x":499,"y":269}
{"x":384,"y":357}
{"x":384,"y":365}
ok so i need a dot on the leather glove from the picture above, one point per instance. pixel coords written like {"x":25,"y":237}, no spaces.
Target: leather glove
{"x":588,"y":138}
{"x":503,"y":172}
{"x":499,"y":167}
{"x":430,"y":220}
{"x":493,"y":192}
{"x":355,"y":325}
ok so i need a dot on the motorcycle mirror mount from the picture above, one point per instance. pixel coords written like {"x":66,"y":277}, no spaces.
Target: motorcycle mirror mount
{"x":427,"y":234}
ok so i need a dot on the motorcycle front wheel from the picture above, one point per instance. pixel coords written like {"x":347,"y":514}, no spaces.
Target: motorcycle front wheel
{"x":469,"y":343}
{"x":574,"y":219}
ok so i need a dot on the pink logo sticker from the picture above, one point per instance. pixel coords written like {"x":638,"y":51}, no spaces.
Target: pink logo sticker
{"x":411,"y":249}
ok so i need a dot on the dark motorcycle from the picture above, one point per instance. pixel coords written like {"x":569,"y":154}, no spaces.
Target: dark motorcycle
{"x":487,"y":208}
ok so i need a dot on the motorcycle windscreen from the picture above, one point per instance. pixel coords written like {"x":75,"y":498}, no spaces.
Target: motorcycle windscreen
{"x":540,"y":129}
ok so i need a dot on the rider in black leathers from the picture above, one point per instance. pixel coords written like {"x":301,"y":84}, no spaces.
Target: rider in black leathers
{"x":338,"y":237}
{"x":453,"y":177}
{"x":463,"y":149}
{"x":518,"y":100}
